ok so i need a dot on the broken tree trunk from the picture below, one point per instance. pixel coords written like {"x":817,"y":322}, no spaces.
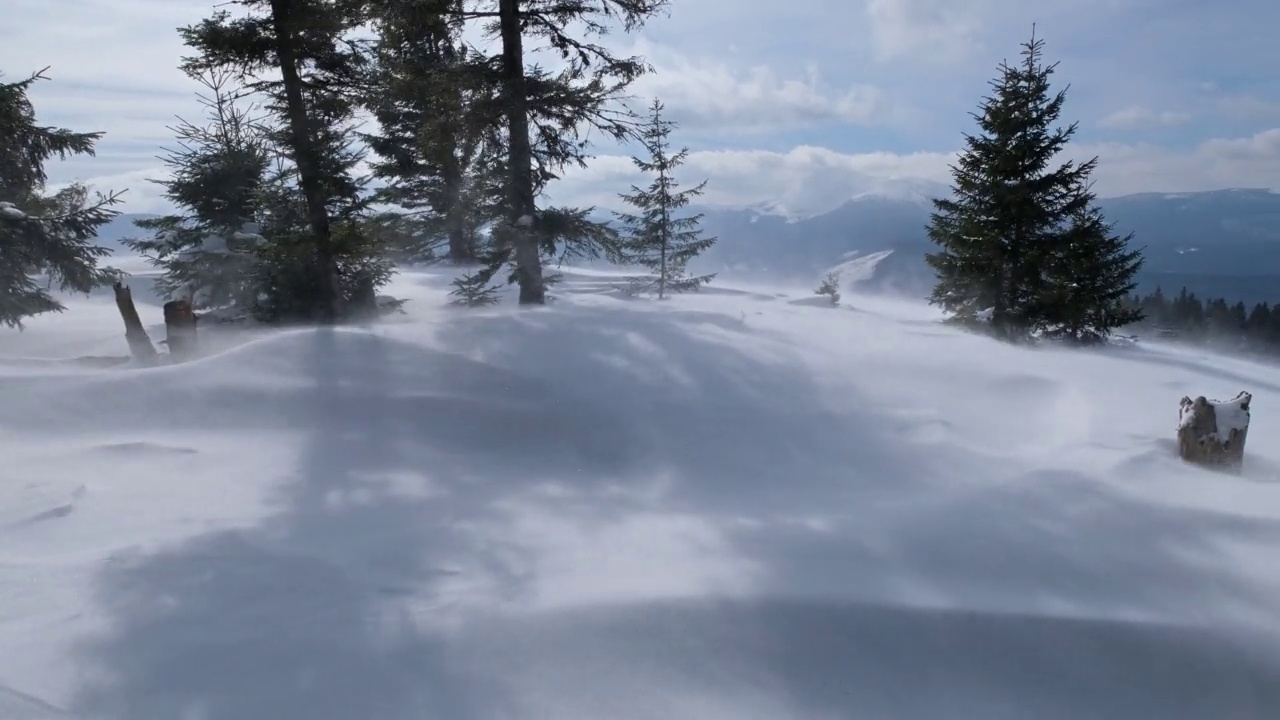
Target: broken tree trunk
{"x":1212,"y":433}
{"x":180,"y":329}
{"x":139,"y":343}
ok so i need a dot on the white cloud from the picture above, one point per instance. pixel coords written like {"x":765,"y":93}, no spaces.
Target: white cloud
{"x":1137,"y":117}
{"x":1249,"y":108}
{"x":928,"y":30}
{"x":810,"y":180}
{"x":708,"y":93}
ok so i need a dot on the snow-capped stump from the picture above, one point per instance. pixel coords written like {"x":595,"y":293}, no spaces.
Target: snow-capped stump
{"x":1212,"y":433}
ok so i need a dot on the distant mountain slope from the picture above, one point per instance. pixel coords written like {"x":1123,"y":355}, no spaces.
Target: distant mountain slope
{"x":1221,"y":243}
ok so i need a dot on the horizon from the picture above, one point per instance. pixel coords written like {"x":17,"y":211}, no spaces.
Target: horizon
{"x":802,"y":124}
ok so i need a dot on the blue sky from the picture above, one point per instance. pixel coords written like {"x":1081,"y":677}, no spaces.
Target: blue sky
{"x":799,"y":103}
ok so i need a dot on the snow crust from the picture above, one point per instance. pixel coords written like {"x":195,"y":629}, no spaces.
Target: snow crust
{"x":725,"y":506}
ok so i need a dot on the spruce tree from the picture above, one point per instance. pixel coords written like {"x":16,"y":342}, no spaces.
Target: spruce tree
{"x":307,"y":59}
{"x":42,"y":234}
{"x":439,"y":157}
{"x":1010,"y":205}
{"x":1088,"y":278}
{"x":544,"y":116}
{"x":211,"y":252}
{"x":655,"y":238}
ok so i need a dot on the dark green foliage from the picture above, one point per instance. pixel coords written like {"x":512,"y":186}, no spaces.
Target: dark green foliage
{"x":311,"y":46}
{"x":830,"y":287}
{"x":474,"y":289}
{"x":49,"y":235}
{"x":1187,"y":318}
{"x":654,"y":237}
{"x":212,"y":252}
{"x":572,"y":233}
{"x":1022,"y":232}
{"x":1088,"y":281}
{"x":438,"y":154}
{"x":291,"y":268}
{"x":543,"y":116}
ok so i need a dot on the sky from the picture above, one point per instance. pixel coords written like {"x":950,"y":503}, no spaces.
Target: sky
{"x":797,"y":105}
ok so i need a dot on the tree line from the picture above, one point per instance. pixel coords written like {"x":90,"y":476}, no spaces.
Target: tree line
{"x":275,"y":217}
{"x":1187,"y":318}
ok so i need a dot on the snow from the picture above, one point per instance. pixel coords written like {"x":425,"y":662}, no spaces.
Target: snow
{"x":248,"y":237}
{"x":857,"y":269}
{"x":1229,"y":415}
{"x":726,"y":505}
{"x":11,"y":211}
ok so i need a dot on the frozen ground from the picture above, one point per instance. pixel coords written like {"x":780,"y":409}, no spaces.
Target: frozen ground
{"x":731,"y":505}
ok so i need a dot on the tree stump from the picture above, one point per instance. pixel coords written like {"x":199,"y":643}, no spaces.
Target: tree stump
{"x":1213,"y":433}
{"x":180,"y":329}
{"x":139,"y":342}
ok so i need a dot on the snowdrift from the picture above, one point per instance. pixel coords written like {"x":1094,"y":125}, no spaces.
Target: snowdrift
{"x":721,"y":506}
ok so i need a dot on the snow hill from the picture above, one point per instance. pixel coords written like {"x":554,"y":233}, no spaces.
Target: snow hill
{"x":727,"y":505}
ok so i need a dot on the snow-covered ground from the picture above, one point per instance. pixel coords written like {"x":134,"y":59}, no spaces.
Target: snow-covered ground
{"x":733,"y":505}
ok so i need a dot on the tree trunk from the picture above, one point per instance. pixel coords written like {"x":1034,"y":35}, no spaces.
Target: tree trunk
{"x":455,"y":214}
{"x":1213,"y":433}
{"x":304,"y":155}
{"x":139,"y":342}
{"x":520,"y":196}
{"x":180,"y":329}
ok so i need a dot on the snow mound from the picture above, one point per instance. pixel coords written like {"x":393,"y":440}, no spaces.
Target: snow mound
{"x":723,"y":505}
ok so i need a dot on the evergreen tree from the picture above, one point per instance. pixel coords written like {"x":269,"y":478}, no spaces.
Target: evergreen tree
{"x":1010,"y":204}
{"x":1259,"y":323}
{"x":439,"y":156}
{"x":655,"y":238}
{"x":326,"y":260}
{"x":830,"y":286}
{"x":211,"y":253}
{"x":1155,"y":308}
{"x":1088,"y":278}
{"x":544,"y":116}
{"x":39,"y":233}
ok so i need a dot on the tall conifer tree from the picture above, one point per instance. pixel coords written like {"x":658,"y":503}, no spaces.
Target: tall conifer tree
{"x":1011,"y":203}
{"x":41,"y":234}
{"x":305,"y":57}
{"x":654,"y":237}
{"x":210,"y":250}
{"x":438,"y":154}
{"x":544,"y":116}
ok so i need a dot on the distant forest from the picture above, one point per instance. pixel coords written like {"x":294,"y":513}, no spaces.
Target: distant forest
{"x":1187,"y":318}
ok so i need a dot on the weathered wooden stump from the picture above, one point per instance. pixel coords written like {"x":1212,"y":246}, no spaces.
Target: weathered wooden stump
{"x":139,"y":342}
{"x":180,"y":329}
{"x":1213,"y":433}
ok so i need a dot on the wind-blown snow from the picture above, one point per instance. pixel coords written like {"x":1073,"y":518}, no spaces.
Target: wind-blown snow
{"x":725,"y":505}
{"x":858,"y":268}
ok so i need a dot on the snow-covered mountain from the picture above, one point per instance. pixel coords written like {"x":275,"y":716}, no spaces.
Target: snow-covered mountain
{"x":1220,"y":243}
{"x":731,"y":504}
